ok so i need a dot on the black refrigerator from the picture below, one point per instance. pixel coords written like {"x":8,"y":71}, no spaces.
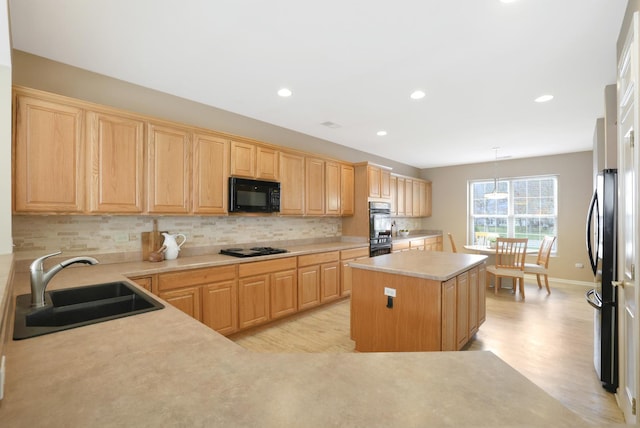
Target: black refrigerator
{"x":602,"y":248}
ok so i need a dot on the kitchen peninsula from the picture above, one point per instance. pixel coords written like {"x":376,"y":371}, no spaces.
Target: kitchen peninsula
{"x":417,"y":301}
{"x":163,"y":368}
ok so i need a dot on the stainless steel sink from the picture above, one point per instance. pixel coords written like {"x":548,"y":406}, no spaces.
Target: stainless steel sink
{"x":76,"y":307}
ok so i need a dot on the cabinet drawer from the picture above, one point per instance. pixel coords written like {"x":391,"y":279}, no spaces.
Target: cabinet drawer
{"x":267,"y":266}
{"x":173,"y":280}
{"x":316,"y":259}
{"x":354,"y":253}
{"x":399,"y":246}
{"x":416,"y":243}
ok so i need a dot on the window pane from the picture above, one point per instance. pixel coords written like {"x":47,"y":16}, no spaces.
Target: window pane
{"x":530,"y":211}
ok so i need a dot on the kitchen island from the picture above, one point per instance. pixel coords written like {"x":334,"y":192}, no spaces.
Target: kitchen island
{"x":417,"y":301}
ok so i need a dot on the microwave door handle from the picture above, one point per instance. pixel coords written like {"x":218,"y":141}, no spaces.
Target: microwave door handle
{"x":593,"y":209}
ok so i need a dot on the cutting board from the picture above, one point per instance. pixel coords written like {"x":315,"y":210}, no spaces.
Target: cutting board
{"x":151,"y":241}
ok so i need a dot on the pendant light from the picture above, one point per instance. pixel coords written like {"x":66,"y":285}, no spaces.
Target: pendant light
{"x":495,"y":194}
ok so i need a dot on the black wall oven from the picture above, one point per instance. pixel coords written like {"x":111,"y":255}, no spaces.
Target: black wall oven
{"x":253,"y":196}
{"x":379,"y":228}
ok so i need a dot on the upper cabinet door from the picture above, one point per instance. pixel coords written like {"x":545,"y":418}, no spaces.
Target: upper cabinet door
{"x":243,"y":159}
{"x":116,"y":150}
{"x":210,"y":172}
{"x":314,"y":186}
{"x":267,"y":163}
{"x":347,"y":189}
{"x":168,"y":169}
{"x":332,"y":188}
{"x":48,"y":157}
{"x":291,"y":184}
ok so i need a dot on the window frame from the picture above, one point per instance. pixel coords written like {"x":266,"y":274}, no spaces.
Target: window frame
{"x":508,"y":184}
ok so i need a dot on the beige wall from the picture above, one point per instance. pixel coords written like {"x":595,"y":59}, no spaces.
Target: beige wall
{"x":5,"y":132}
{"x":574,"y":193}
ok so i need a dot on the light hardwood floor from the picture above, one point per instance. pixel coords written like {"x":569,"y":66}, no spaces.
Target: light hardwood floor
{"x":549,"y":339}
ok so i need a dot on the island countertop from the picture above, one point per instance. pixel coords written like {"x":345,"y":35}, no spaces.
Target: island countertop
{"x":434,"y":265}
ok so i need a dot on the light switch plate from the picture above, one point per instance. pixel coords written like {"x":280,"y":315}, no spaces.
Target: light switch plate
{"x":391,"y":292}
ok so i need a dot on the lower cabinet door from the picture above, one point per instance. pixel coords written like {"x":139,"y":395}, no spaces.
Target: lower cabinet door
{"x":220,"y":306}
{"x":254,"y":300}
{"x":308,"y":286}
{"x":449,"y":342}
{"x":185,"y":299}
{"x":329,"y":281}
{"x":284,"y":293}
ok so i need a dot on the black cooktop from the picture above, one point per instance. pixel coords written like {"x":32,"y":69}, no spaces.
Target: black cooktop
{"x":252,"y":252}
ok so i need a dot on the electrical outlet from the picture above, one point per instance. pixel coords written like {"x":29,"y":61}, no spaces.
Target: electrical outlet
{"x":579,"y":265}
{"x":391,"y":292}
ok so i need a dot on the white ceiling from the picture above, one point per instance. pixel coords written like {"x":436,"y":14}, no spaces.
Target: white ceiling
{"x":355,"y":62}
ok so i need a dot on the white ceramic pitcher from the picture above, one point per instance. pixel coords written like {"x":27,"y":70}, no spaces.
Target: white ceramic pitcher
{"x":172,"y":248}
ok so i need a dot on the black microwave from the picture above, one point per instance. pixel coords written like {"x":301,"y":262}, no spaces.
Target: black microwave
{"x":253,"y":196}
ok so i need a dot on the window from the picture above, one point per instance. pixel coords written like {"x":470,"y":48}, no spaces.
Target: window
{"x":530,"y":210}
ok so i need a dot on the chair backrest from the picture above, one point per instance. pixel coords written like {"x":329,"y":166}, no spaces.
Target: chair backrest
{"x":511,"y":252}
{"x":545,"y":251}
{"x":453,"y":244}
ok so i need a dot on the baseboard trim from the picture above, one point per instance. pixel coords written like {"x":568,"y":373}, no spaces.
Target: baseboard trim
{"x":585,"y":284}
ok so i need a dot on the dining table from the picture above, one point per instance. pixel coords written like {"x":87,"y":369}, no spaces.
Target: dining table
{"x":491,"y":251}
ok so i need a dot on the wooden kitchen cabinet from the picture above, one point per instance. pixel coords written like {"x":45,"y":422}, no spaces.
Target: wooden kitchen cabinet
{"x":284,"y":293}
{"x":346,"y":277}
{"x":209,"y":295}
{"x":210,"y":174}
{"x":116,"y":163}
{"x":148,"y":282}
{"x":48,"y":155}
{"x":308,"y":286}
{"x":400,"y":246}
{"x":253,"y":161}
{"x":408,"y":197}
{"x":318,"y":278}
{"x":449,"y":342}
{"x":267,"y":163}
{"x":263,"y":283}
{"x":416,"y":244}
{"x":347,"y":190}
{"x":379,"y":181}
{"x":417,"y":198}
{"x":291,"y":184}
{"x":433,"y":243}
{"x":425,"y":199}
{"x":243,"y":159}
{"x":332,"y":189}
{"x":186,"y":299}
{"x":314,"y":186}
{"x":168,"y":167}
{"x":462,"y":310}
{"x":401,"y":190}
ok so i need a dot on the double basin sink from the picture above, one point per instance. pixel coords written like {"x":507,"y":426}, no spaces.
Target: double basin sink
{"x":76,"y":307}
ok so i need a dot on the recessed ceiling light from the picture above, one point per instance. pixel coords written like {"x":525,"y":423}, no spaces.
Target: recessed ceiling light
{"x":381,"y":133}
{"x":284,"y":92}
{"x":508,"y":1}
{"x":543,"y":98}
{"x":416,"y":95}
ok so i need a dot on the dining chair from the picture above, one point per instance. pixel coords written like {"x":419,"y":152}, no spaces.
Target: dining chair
{"x":453,"y":244}
{"x":540,"y":267}
{"x":510,"y":256}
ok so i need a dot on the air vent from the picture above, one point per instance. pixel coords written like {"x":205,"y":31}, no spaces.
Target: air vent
{"x":330,"y":124}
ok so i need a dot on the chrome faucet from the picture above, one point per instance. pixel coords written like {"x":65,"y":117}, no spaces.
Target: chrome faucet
{"x":40,"y":278}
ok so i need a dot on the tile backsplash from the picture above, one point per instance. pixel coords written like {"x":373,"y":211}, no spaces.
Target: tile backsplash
{"x":122,"y":234}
